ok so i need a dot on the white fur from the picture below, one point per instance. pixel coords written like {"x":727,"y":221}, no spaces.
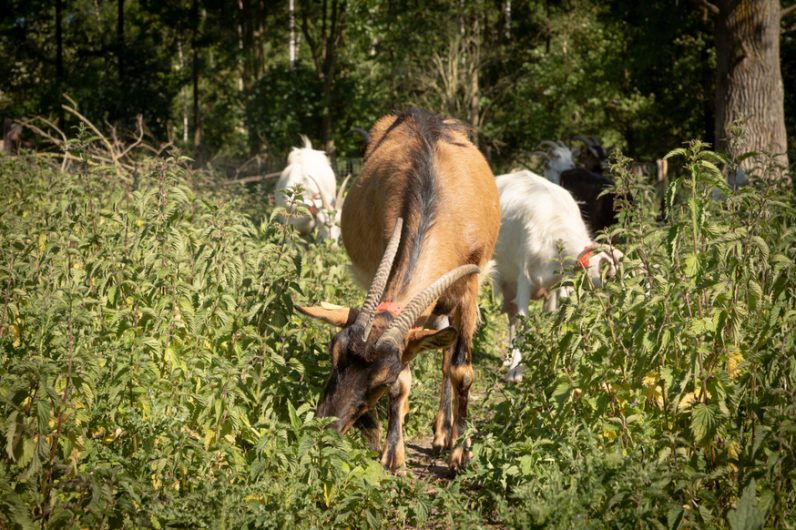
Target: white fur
{"x":558,"y":160}
{"x":312,"y":170}
{"x":540,"y":227}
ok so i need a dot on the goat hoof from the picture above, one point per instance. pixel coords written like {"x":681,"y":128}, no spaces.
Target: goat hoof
{"x":442,"y":442}
{"x":514,"y":375}
{"x":459,"y":459}
{"x":394,"y":462}
{"x":442,"y":436}
{"x":399,"y":471}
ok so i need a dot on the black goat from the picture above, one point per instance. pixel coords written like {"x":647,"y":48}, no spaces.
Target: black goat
{"x":598,"y":209}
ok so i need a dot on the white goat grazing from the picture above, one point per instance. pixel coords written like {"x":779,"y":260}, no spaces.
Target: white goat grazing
{"x":559,"y":159}
{"x":540,"y":228}
{"x":311,"y":169}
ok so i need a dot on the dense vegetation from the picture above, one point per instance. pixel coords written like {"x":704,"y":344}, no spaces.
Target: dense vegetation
{"x":153,"y":372}
{"x":216,"y":76}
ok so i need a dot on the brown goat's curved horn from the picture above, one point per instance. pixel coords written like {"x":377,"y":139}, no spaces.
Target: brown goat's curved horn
{"x":583,"y":139}
{"x":406,"y":319}
{"x":365,"y":317}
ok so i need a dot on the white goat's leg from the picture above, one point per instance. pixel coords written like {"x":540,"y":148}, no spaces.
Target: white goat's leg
{"x":523,"y":298}
{"x":551,"y":300}
{"x":523,"y":294}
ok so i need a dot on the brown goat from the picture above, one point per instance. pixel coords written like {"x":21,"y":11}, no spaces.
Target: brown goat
{"x":419,"y":222}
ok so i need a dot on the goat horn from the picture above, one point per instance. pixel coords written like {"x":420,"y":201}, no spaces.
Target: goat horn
{"x":324,"y":201}
{"x":549,"y":143}
{"x":365,"y":317}
{"x":406,"y":319}
{"x":338,"y":202}
{"x":583,"y":139}
{"x":362,"y":132}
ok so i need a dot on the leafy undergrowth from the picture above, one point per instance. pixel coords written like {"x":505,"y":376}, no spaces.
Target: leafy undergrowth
{"x":153,"y":372}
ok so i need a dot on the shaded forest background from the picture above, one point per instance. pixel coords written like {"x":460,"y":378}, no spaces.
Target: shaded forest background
{"x":227,"y":80}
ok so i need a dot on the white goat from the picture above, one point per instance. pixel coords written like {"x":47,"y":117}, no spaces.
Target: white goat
{"x":559,"y":159}
{"x":312,"y":170}
{"x":540,"y":228}
{"x":736,"y":178}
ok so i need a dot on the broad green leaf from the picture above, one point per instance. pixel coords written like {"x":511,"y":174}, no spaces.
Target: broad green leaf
{"x":747,"y":515}
{"x":704,"y":422}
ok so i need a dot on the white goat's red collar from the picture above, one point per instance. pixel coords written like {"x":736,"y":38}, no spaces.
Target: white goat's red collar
{"x":583,"y":257}
{"x":391,"y":307}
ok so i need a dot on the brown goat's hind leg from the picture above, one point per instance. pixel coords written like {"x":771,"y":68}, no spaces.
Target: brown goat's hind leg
{"x":443,"y":424}
{"x":394,"y":456}
{"x":462,"y":377}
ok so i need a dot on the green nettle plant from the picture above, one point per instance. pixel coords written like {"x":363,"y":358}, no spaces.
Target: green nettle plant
{"x":153,"y":372}
{"x":666,"y":399}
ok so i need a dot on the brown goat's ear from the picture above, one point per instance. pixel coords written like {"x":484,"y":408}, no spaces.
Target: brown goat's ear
{"x":421,"y":339}
{"x":335,"y":315}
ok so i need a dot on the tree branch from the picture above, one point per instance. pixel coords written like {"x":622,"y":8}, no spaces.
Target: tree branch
{"x":712,"y":8}
{"x":310,"y":41}
{"x":787,"y":11}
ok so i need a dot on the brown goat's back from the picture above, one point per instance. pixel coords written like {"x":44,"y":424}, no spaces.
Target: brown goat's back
{"x":424,"y":170}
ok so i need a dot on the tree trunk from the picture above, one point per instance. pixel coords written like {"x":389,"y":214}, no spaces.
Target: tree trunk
{"x":183,"y":97}
{"x":507,"y":19}
{"x":120,"y":45}
{"x":293,"y":46}
{"x":197,"y":122}
{"x":749,"y":89}
{"x":474,"y":71}
{"x":323,"y":49}
{"x":59,"y":60}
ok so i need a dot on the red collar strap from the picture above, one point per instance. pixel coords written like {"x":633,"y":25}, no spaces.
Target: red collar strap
{"x":390,"y":307}
{"x":583,"y":257}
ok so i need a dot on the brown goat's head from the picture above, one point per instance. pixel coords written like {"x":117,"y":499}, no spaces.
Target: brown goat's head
{"x":374,"y":346}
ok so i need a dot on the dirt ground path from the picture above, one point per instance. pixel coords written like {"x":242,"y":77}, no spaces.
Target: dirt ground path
{"x":422,"y":463}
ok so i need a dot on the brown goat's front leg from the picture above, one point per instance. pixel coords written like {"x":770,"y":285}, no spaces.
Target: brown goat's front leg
{"x":393,"y":458}
{"x":370,"y":428}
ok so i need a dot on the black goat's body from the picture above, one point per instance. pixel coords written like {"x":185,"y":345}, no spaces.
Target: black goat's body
{"x":598,"y":209}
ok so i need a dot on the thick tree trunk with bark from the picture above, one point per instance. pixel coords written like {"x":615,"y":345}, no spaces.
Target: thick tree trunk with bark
{"x":749,"y":90}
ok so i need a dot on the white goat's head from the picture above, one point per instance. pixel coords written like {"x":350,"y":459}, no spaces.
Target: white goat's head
{"x":598,"y":258}
{"x":328,"y":214}
{"x":559,"y":159}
